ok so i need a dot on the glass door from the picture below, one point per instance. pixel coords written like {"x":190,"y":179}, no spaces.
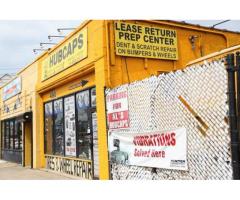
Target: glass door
{"x":84,"y":135}
{"x":87,"y":137}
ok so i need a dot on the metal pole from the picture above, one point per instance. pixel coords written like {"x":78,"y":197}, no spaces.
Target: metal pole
{"x":238,"y":87}
{"x":238,"y":105}
{"x":109,"y":159}
{"x":233,"y":116}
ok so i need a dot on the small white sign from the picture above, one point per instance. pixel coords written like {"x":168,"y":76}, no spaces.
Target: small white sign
{"x":70,"y":126}
{"x":117,"y":109}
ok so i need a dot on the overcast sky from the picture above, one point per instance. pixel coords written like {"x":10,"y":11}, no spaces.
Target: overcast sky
{"x":19,"y":38}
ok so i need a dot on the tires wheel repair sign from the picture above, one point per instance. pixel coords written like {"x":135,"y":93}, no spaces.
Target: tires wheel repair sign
{"x":160,"y":149}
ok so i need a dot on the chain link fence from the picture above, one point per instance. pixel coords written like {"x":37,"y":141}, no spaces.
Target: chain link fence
{"x":194,"y":98}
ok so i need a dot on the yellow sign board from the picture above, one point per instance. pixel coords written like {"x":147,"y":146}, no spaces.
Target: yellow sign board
{"x":136,"y":40}
{"x":69,"y":53}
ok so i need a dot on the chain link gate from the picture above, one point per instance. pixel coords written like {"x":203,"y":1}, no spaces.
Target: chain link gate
{"x":194,"y":98}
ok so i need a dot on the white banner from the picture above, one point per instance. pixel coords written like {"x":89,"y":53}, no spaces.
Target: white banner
{"x":70,"y":126}
{"x":160,"y":149}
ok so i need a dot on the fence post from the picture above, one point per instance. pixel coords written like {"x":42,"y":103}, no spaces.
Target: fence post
{"x":238,"y":104}
{"x":233,"y":116}
{"x":109,"y":159}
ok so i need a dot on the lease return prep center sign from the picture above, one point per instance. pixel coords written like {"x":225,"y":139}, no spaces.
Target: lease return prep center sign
{"x":145,"y":41}
{"x":67,"y":54}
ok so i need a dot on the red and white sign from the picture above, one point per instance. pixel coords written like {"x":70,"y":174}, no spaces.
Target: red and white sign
{"x":160,"y":149}
{"x":13,"y":88}
{"x":117,"y":109}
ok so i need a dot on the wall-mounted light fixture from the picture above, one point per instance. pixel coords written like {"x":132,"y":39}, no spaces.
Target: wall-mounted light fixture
{"x":56,"y":36}
{"x":192,"y":40}
{"x":6,"y":108}
{"x":36,"y":50}
{"x":17,"y":103}
{"x":15,"y":107}
{"x":27,"y":116}
{"x":64,"y":29}
{"x":42,"y":43}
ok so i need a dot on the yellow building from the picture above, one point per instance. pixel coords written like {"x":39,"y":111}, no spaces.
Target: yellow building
{"x":18,"y":102}
{"x":215,"y":56}
{"x":68,"y":106}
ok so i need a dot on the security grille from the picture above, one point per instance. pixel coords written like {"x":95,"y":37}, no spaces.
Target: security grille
{"x":194,"y":98}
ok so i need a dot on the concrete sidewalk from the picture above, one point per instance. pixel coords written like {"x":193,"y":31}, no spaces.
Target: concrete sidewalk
{"x":13,"y":171}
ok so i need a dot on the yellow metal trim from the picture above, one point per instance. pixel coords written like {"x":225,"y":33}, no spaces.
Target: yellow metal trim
{"x":215,"y":54}
{"x":192,"y":27}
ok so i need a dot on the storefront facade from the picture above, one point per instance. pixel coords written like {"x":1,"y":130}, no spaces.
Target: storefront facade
{"x":70,"y":140}
{"x":17,"y":110}
{"x":69,"y":113}
{"x":74,"y":128}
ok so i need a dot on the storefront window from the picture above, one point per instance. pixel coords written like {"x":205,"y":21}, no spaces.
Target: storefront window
{"x":11,"y":135}
{"x":2,"y":134}
{"x":15,"y":136}
{"x":93,"y":97}
{"x":68,"y":133}
{"x":84,"y":137}
{"x":58,"y":128}
{"x":48,"y":133}
{"x":18,"y":134}
{"x":6,"y":139}
{"x":83,"y":100}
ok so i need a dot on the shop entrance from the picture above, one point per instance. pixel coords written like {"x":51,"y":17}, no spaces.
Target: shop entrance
{"x":17,"y":139}
{"x":12,"y":140}
{"x":87,"y":136}
{"x":70,"y":131}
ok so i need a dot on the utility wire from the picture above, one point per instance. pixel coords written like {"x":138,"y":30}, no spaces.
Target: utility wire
{"x":213,"y":26}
